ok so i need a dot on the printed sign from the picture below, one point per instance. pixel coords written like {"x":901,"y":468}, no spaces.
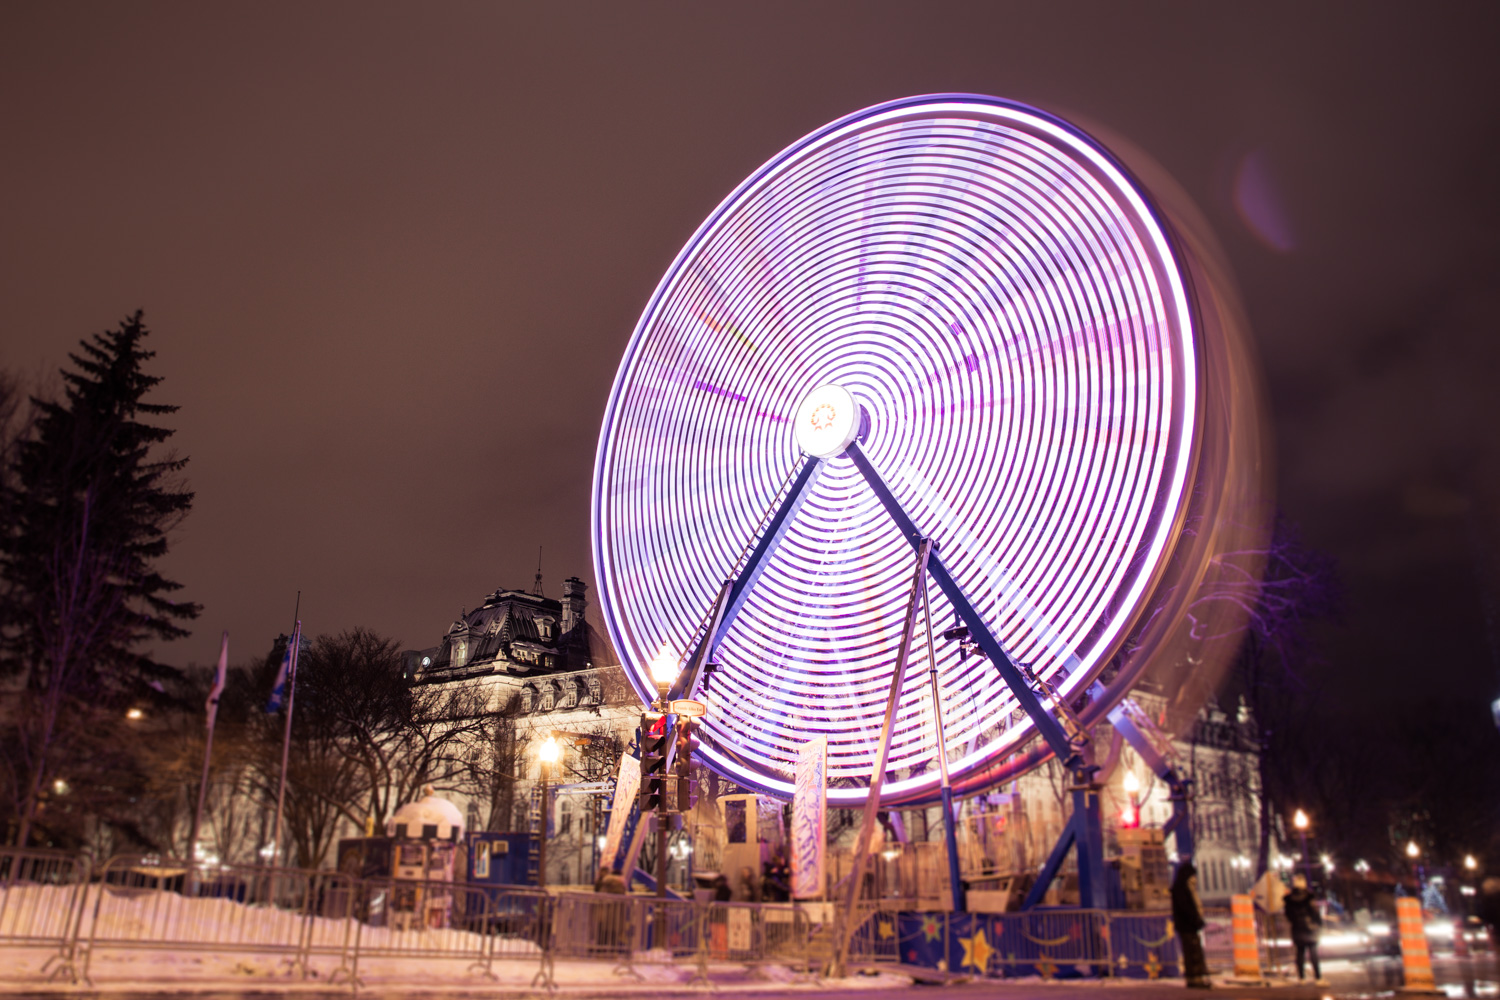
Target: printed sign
{"x":627,"y":787}
{"x":810,"y":820}
{"x":739,"y":929}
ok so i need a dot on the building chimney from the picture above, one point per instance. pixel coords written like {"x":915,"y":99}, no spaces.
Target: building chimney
{"x":573,"y":603}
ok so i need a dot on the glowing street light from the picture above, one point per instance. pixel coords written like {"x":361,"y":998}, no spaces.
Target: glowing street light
{"x":134,"y":714}
{"x":1300,"y":822}
{"x":1412,"y":850}
{"x":1469,"y":863}
{"x":664,"y":671}
{"x":550,"y":751}
{"x":548,"y":754}
{"x":1130,"y":816}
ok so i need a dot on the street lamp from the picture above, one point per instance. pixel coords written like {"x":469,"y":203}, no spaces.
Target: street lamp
{"x":547,"y":755}
{"x":1413,"y":852}
{"x":664,"y":671}
{"x":1300,"y":822}
{"x":1470,"y":864}
{"x":1132,"y":815}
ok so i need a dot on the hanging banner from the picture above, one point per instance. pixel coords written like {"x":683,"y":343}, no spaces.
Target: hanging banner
{"x":627,"y":788}
{"x":810,"y":820}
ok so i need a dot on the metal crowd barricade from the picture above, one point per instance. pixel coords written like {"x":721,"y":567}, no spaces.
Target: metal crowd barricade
{"x":437,"y":920}
{"x":150,"y":904}
{"x":1050,"y":941}
{"x":41,"y":892}
{"x":668,"y":928}
{"x":1143,"y":945}
{"x":590,"y":926}
{"x":1218,"y":937}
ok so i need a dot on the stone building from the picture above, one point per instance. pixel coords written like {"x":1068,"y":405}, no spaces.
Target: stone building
{"x":543,"y":669}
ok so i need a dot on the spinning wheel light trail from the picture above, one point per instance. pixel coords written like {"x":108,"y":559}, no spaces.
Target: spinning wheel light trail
{"x":952,"y":318}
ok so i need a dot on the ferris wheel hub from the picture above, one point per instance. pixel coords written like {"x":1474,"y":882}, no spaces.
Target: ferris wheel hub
{"x":828,"y":421}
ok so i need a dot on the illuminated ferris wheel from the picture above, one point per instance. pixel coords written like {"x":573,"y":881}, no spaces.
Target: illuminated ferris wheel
{"x":951,"y":329}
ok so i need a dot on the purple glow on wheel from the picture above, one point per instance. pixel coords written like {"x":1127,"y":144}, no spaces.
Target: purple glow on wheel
{"x":996,"y":293}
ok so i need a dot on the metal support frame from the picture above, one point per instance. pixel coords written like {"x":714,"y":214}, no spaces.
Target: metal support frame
{"x":1155,"y":749}
{"x":956,"y":892}
{"x":1072,"y":752}
{"x":1083,"y":831}
{"x":845,"y":922}
{"x":737,"y":590}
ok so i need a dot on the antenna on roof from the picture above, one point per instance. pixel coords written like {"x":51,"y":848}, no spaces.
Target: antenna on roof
{"x":536,"y":588}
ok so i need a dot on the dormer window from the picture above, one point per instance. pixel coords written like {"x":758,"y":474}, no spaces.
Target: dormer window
{"x":528,"y":698}
{"x":569,"y":695}
{"x":545,"y":628}
{"x":549,"y":697}
{"x":460,"y":652}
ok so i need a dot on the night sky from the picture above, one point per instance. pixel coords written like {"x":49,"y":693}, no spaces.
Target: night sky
{"x":391,"y":256}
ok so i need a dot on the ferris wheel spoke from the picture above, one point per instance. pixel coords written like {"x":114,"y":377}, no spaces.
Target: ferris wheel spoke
{"x":1049,"y":727}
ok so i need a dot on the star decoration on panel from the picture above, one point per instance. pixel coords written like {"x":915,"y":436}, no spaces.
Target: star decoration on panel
{"x":977,"y":952}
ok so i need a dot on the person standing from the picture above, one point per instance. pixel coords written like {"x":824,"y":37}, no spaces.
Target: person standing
{"x":776,"y":882}
{"x":1489,"y":914}
{"x":1187,"y":918}
{"x":1304,"y":919}
{"x":749,"y":885}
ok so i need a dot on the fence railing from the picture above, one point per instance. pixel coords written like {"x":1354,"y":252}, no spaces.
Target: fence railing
{"x":41,"y":895}
{"x":133,"y":916}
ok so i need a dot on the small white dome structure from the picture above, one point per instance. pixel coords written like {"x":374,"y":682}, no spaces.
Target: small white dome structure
{"x":428,"y":818}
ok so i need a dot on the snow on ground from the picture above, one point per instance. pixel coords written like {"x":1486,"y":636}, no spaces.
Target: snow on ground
{"x":150,"y":939}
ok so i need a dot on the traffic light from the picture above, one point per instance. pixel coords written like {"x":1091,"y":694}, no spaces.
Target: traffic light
{"x":682,"y":763}
{"x":653,"y":761}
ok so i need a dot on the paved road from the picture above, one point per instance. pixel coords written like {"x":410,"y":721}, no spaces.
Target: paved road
{"x":1348,"y":980}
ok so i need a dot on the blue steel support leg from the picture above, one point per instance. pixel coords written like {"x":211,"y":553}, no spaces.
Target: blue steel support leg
{"x":749,"y":574}
{"x":1054,"y":864}
{"x":1049,"y":727}
{"x":950,"y":835}
{"x":1180,"y":825}
{"x":1088,"y":837}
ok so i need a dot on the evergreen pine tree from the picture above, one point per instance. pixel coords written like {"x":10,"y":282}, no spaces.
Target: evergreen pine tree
{"x":90,"y":504}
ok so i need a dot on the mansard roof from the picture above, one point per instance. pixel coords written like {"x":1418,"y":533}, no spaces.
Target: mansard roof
{"x":514,"y":632}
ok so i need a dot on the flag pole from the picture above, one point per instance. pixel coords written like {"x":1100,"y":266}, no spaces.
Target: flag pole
{"x":208,"y":746}
{"x":286,"y":737}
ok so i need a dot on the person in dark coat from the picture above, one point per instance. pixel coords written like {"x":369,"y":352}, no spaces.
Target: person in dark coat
{"x":1488,"y":913}
{"x":1303,"y":917}
{"x":1187,"y":918}
{"x":723,"y":893}
{"x":776,"y":880}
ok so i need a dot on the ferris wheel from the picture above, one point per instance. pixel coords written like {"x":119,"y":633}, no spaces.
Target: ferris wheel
{"x":950,"y":329}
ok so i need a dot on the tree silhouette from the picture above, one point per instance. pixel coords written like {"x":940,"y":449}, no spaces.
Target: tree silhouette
{"x":88,"y":502}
